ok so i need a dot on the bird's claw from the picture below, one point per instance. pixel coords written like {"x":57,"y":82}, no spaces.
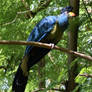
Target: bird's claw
{"x":52,"y":45}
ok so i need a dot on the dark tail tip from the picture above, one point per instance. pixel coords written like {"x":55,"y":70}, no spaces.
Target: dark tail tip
{"x":19,"y":82}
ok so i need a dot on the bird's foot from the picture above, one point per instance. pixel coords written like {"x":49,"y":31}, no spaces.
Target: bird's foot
{"x":52,"y":45}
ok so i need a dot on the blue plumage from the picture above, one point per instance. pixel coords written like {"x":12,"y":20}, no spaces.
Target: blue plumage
{"x":45,"y":26}
{"x":48,"y":30}
{"x":41,"y":30}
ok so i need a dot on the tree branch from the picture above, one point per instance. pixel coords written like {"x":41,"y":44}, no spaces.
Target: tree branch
{"x":17,"y":14}
{"x":28,"y":11}
{"x":42,"y":5}
{"x":29,"y":14}
{"x":48,"y":46}
{"x":86,"y":75}
{"x":8,"y":23}
{"x":42,"y":89}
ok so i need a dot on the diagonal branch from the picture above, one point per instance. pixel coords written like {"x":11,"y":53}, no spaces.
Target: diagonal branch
{"x":86,"y":75}
{"x":48,"y":46}
{"x":17,"y":14}
{"x":87,"y":11}
{"x":8,"y":23}
{"x":28,"y":11}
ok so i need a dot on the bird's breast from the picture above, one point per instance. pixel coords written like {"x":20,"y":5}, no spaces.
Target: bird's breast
{"x":55,"y":34}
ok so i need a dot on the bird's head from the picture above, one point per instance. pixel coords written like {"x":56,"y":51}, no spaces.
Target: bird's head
{"x":68,"y":11}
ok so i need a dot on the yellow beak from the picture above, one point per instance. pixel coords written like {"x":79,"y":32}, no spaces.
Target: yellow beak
{"x":72,"y":14}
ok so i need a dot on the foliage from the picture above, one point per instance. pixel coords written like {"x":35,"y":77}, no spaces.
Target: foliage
{"x":56,"y":69}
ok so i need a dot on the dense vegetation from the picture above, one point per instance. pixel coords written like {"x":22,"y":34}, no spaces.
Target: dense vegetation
{"x":16,"y":23}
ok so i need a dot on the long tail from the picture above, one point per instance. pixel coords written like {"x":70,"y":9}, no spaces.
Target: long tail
{"x":28,"y":61}
{"x":20,"y":81}
{"x":21,"y":76}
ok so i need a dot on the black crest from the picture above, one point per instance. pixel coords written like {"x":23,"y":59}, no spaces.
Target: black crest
{"x":68,"y":9}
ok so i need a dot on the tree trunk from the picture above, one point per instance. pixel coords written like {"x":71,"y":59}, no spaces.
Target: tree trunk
{"x":72,"y":44}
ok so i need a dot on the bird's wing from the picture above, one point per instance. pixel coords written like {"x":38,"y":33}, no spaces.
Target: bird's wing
{"x":41,"y":30}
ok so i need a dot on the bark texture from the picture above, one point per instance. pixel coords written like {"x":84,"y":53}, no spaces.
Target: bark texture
{"x":72,"y":45}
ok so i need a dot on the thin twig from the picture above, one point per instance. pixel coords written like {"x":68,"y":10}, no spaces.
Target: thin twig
{"x":48,"y":46}
{"x":42,"y":89}
{"x":30,"y":13}
{"x":86,"y":75}
{"x":11,"y":22}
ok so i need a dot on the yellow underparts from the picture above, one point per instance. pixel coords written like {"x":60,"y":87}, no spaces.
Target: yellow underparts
{"x":56,"y":33}
{"x":24,"y":66}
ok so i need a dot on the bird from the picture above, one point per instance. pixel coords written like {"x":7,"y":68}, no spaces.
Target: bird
{"x":48,"y":30}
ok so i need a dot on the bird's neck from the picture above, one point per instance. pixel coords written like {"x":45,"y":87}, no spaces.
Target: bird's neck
{"x":62,"y":19}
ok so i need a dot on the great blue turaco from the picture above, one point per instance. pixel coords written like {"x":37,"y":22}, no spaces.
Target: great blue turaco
{"x":48,"y":30}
